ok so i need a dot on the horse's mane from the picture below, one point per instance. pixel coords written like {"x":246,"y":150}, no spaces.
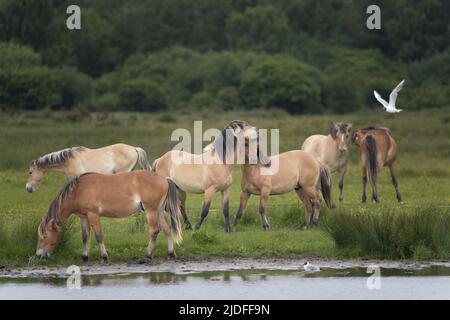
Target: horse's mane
{"x":55,"y":206}
{"x":375,"y":128}
{"x":56,"y":158}
{"x":225,"y":141}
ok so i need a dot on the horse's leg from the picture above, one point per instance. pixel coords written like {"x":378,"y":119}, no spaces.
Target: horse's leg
{"x":94,"y":221}
{"x":168,"y":234}
{"x":375,"y":187}
{"x":242,"y":204}
{"x":207,"y":197}
{"x":342,"y":172}
{"x":364,"y":181}
{"x":393,"y":170}
{"x":226,"y":209}
{"x":307,"y":203}
{"x":85,"y":232}
{"x":262,"y":208}
{"x":315,"y":200}
{"x":182,"y":196}
{"x":153,"y":230}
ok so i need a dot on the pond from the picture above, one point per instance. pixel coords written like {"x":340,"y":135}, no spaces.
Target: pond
{"x":329,"y":283}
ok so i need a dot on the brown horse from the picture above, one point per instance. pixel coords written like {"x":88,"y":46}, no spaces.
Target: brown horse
{"x":95,"y":195}
{"x":207,"y":173}
{"x":331,"y":150}
{"x":297,"y":170}
{"x":377,"y":148}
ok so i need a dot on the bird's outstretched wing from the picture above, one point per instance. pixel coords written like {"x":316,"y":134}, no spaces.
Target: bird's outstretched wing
{"x":394,"y":93}
{"x":380,"y":99}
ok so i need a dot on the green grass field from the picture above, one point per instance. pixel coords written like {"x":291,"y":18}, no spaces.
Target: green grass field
{"x":423,"y":173}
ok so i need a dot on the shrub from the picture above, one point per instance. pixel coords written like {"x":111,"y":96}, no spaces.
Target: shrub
{"x":282,"y":82}
{"x":141,"y":95}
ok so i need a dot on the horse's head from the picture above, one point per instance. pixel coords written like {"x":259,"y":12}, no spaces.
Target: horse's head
{"x":48,"y":237}
{"x":340,"y":132}
{"x":358,"y":136}
{"x":35,"y":177}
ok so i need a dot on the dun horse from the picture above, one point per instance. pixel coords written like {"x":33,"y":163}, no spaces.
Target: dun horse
{"x":331,"y":150}
{"x":377,"y":149}
{"x":75,"y":161}
{"x":297,"y":170}
{"x":95,"y":195}
{"x":207,"y":173}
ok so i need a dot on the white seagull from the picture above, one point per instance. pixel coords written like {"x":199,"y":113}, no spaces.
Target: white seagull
{"x":390,"y":107}
{"x":310,"y":267}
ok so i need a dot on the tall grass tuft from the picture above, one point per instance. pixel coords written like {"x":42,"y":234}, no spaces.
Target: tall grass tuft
{"x":401,"y":233}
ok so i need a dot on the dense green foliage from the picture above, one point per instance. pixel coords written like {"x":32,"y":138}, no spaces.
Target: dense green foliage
{"x":303,"y":56}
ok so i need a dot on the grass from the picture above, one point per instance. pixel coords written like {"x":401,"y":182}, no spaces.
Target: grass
{"x":423,"y":174}
{"x":402,"y":233}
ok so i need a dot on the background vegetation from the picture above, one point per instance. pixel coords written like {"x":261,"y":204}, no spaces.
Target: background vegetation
{"x":302,"y":56}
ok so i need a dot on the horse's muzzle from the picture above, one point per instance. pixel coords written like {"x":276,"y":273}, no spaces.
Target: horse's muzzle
{"x":42,"y":253}
{"x":30,"y":188}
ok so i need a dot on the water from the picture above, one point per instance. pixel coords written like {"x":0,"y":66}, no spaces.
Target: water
{"x":429,"y":283}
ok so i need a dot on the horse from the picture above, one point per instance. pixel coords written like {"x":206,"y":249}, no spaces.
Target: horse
{"x":75,"y":161}
{"x":297,"y":170}
{"x":377,"y":148}
{"x":95,"y":195}
{"x":207,"y":173}
{"x":331,"y":150}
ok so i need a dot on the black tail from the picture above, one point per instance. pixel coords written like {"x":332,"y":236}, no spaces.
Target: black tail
{"x":325,"y":185}
{"x":372,"y":153}
{"x":173,"y":208}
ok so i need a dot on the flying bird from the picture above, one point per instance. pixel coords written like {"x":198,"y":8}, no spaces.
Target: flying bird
{"x":390,"y":107}
{"x":310,"y":267}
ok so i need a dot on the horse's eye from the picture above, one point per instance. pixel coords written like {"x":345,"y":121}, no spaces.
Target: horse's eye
{"x":29,"y":172}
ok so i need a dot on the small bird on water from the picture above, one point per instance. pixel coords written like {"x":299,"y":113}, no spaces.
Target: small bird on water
{"x":310,"y":267}
{"x":390,"y":107}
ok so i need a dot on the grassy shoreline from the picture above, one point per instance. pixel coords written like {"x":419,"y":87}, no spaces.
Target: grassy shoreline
{"x":423,"y":173}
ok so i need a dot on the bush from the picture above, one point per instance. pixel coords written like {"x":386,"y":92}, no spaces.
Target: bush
{"x":282,"y":82}
{"x":141,"y":95}
{"x":14,"y":56}
{"x":258,"y":28}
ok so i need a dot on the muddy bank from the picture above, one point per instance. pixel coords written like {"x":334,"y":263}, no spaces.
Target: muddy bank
{"x":186,"y":267}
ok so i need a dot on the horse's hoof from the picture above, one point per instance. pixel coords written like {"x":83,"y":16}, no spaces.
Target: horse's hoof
{"x":188,"y":226}
{"x":84,"y":258}
{"x":228,"y":229}
{"x":171,"y":255}
{"x":333,"y":205}
{"x":341,"y":199}
{"x":197,"y":226}
{"x":266,"y":227}
{"x":104,"y":258}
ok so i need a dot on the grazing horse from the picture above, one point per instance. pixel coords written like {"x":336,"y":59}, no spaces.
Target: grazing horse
{"x":297,"y":170}
{"x":331,"y":150}
{"x":75,"y":161}
{"x":207,"y":173}
{"x":95,"y":195}
{"x":377,"y":149}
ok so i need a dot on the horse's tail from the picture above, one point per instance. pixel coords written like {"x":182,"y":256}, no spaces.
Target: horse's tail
{"x":372,"y":153}
{"x":172,"y":206}
{"x":325,"y":185}
{"x":154,"y":165}
{"x":142,"y":158}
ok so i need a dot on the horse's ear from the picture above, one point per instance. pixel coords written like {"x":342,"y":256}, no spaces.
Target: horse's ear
{"x":354,"y":137}
{"x":349,"y":127}
{"x":333,"y":131}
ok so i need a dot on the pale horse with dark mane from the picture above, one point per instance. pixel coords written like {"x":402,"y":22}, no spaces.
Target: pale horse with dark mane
{"x":76,"y":161}
{"x":208,"y":172}
{"x":331,"y":150}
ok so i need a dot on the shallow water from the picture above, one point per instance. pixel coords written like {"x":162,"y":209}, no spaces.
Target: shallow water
{"x":351,"y":283}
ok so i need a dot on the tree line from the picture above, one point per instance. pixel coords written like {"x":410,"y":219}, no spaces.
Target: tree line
{"x":303,"y":56}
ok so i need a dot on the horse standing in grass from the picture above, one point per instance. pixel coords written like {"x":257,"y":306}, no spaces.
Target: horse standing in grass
{"x":331,"y":150}
{"x":75,"y":161}
{"x":207,"y":173}
{"x":95,"y":195}
{"x":377,"y":148}
{"x":297,"y":170}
